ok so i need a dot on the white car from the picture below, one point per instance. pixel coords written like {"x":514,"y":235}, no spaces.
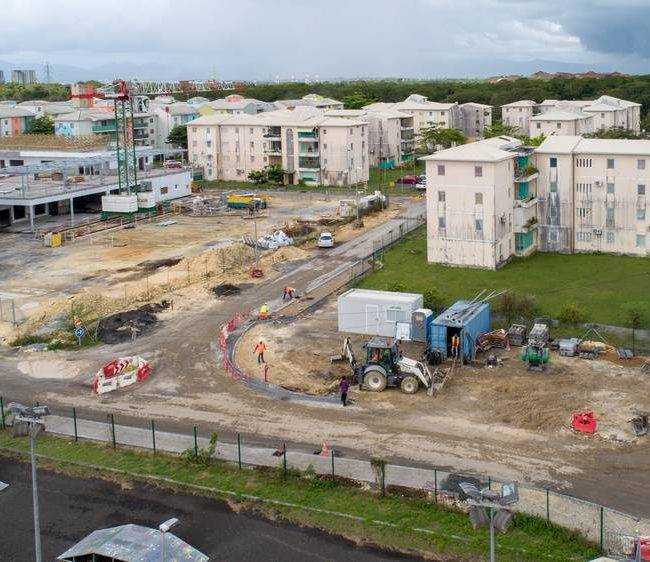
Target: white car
{"x":326,"y":240}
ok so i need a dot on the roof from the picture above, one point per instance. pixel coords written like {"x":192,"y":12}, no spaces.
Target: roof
{"x":133,"y":543}
{"x":237,"y":103}
{"x":381,"y":295}
{"x":360,"y":113}
{"x":558,"y":145}
{"x":614,"y":147}
{"x":476,"y":104}
{"x":298,"y":117}
{"x":313,"y":100}
{"x":467,"y":310}
{"x":560,"y":115}
{"x":7,"y":111}
{"x":494,"y":149}
{"x":86,"y":115}
{"x":520,"y":103}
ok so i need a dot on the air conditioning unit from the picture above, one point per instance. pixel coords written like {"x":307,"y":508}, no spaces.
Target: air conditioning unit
{"x":598,"y":182}
{"x":598,"y":231}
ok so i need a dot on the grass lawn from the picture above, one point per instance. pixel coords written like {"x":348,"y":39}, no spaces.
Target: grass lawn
{"x":601,"y":284}
{"x":448,"y":532}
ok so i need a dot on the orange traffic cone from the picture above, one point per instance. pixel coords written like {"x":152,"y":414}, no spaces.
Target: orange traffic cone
{"x":325,"y":451}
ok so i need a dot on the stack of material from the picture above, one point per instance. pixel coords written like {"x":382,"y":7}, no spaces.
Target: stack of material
{"x":591,"y":349}
{"x":538,"y":335}
{"x":568,"y":347}
{"x":270,"y":241}
{"x":496,"y":338}
{"x":517,"y":334}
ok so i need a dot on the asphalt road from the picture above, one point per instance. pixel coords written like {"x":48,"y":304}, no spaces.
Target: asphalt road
{"x":71,"y":508}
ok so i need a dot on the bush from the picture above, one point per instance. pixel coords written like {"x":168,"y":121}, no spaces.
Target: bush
{"x":257,"y":177}
{"x":573,"y":314}
{"x":433,"y":298}
{"x":397,"y":287}
{"x":514,"y":306}
{"x":204,"y":454}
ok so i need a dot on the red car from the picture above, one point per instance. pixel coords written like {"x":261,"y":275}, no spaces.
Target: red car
{"x":409,"y":180}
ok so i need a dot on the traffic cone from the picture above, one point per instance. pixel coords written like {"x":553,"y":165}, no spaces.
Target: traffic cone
{"x":325,"y":451}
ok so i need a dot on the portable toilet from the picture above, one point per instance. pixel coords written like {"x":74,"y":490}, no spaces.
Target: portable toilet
{"x":467,"y":319}
{"x":421,"y":325}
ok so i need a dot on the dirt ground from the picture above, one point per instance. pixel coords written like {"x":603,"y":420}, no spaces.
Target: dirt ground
{"x":509,"y":395}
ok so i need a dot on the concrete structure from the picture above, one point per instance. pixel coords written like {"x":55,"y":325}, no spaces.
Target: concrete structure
{"x":14,"y":120}
{"x":375,"y":313}
{"x":2,"y":77}
{"x":169,"y":115}
{"x":518,"y":114}
{"x":600,"y":114}
{"x":23,"y":76}
{"x":494,"y":199}
{"x":425,"y":113}
{"x":391,"y":137}
{"x":470,"y":203}
{"x":311,"y":147}
{"x":50,"y":108}
{"x":310,"y":100}
{"x":41,"y":182}
{"x":235,"y":104}
{"x":474,"y":118}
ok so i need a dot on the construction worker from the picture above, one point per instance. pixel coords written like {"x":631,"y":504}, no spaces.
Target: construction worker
{"x":455,"y":345}
{"x":288,"y":293}
{"x":260,"y":348}
{"x":264,"y":311}
{"x":344,"y":386}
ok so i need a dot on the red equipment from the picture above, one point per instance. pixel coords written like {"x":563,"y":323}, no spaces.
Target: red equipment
{"x":584,"y":422}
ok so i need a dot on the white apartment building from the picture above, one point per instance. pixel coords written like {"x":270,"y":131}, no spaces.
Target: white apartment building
{"x":169,"y":114}
{"x":494,"y":199}
{"x":391,"y":138}
{"x":606,"y":112}
{"x":311,"y":147}
{"x":475,"y":117}
{"x":470,"y":203}
{"x":310,"y":100}
{"x":235,"y":104}
{"x":425,"y":113}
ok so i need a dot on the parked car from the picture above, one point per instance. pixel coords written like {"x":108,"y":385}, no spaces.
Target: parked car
{"x":326,"y":240}
{"x":408,"y":180}
{"x":172,"y":164}
{"x":421,"y":183}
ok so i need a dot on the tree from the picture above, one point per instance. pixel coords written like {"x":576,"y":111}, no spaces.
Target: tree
{"x":498,"y":129}
{"x":432,"y":137}
{"x":275,"y":173}
{"x":433,"y":298}
{"x":178,"y":136}
{"x":41,"y":126}
{"x":357,"y":100}
{"x":615,"y":133}
{"x":635,"y":316}
{"x":573,"y":314}
{"x":514,"y":306}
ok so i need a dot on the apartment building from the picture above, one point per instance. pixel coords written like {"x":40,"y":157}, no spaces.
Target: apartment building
{"x":312,"y":148}
{"x":391,"y":138}
{"x":14,"y":120}
{"x":2,"y":77}
{"x":49,"y":108}
{"x":593,"y":195}
{"x":474,"y":118}
{"x":169,"y":114}
{"x":470,"y":203}
{"x":23,"y":76}
{"x":310,"y":100}
{"x":235,"y":104}
{"x":425,"y":113}
{"x":533,"y":119}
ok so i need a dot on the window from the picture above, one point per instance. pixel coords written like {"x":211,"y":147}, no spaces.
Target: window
{"x":479,"y":225}
{"x":441,"y":196}
{"x":583,"y":236}
{"x":478,"y":171}
{"x":395,"y":314}
{"x":351,"y":146}
{"x":478,"y":199}
{"x":207,"y":143}
{"x":610,"y":217}
{"x":559,"y":125}
{"x":252,"y":145}
{"x":640,"y":240}
{"x":194,"y":143}
{"x":208,"y":131}
{"x":164,"y":190}
{"x":539,"y":125}
{"x":250,"y":131}
{"x":602,"y":116}
{"x":610,"y":163}
{"x":193,"y":128}
{"x":610,"y":188}
{"x":252,"y":158}
{"x":442,"y":223}
{"x":324,"y":131}
{"x":640,"y":164}
{"x":236,"y":130}
{"x":610,"y":237}
{"x":552,"y":162}
{"x":441,"y":169}
{"x":640,"y":189}
{"x":351,"y":131}
{"x":640,"y":214}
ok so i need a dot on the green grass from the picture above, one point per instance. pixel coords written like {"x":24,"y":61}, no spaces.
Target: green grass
{"x":601,"y":284}
{"x":530,"y":538}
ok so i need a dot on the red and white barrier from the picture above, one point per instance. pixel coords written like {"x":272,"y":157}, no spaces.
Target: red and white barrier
{"x":123,"y":371}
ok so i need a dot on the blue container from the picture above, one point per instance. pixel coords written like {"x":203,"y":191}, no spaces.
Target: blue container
{"x":465,"y":319}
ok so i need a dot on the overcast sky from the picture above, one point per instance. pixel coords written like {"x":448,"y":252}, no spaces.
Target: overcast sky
{"x":263,"y":39}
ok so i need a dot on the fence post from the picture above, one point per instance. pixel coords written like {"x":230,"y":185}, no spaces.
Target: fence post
{"x":196,"y":445}
{"x":239,"y":451}
{"x":383,"y":480}
{"x":153,"y":436}
{"x":333,"y":476}
{"x":602,"y":527}
{"x":548,"y":511}
{"x":284,"y":461}
{"x":74,"y":422}
{"x":435,"y":485}
{"x":2,"y":411}
{"x":113,"y":430}
{"x":489,"y":483}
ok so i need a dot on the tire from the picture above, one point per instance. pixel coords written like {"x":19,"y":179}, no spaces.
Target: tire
{"x":409,"y":385}
{"x":374,"y":380}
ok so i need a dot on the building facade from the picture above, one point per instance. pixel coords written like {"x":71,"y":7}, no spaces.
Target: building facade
{"x":14,"y":120}
{"x":312,"y":148}
{"x":23,"y":76}
{"x":518,"y":114}
{"x":474,"y":118}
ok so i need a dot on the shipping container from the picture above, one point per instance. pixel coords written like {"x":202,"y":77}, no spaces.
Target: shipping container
{"x":375,"y":313}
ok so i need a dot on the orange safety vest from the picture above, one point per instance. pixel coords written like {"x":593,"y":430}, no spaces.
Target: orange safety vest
{"x":260,"y":348}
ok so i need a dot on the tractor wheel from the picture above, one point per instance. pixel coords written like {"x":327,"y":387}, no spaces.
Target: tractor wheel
{"x":374,"y":380}
{"x":409,"y":385}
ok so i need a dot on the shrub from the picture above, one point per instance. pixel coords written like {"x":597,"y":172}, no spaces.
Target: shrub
{"x":257,"y":177}
{"x":204,"y":454}
{"x":515,"y":306}
{"x":433,"y":298}
{"x":397,"y":287}
{"x":572,"y":313}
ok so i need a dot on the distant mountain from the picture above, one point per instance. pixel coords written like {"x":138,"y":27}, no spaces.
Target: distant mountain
{"x":542,"y":75}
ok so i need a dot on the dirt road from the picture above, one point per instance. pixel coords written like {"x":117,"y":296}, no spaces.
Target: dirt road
{"x":189,"y":386}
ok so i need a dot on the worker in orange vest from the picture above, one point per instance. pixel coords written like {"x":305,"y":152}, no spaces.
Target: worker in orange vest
{"x":455,"y":345}
{"x":260,"y":348}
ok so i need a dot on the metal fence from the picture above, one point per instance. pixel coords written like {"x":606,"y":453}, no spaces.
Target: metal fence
{"x":11,"y":311}
{"x":615,"y":532}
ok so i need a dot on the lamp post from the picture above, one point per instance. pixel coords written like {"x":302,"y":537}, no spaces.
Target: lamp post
{"x":29,"y":421}
{"x":164,"y":528}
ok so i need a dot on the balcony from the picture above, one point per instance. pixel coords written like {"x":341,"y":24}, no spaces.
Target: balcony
{"x":308,"y":135}
{"x":308,"y":163}
{"x":525,"y":219}
{"x":405,"y":129}
{"x":273,"y":149}
{"x":308,"y":152}
{"x":526,"y":174}
{"x":108,"y":128}
{"x":273,"y":133}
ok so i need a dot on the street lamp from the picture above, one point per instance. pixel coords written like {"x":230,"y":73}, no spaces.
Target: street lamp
{"x":484,"y":499}
{"x":29,"y":421}
{"x":164,"y":529}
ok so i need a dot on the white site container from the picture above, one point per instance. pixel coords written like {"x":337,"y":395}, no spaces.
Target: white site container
{"x":119,"y":203}
{"x":146,"y":199}
{"x":375,"y":313}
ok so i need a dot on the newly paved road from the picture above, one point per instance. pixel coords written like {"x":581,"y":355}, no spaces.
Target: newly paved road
{"x":71,"y":508}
